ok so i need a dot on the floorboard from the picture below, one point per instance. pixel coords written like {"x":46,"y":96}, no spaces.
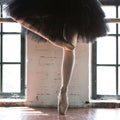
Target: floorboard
{"x":27,"y":113}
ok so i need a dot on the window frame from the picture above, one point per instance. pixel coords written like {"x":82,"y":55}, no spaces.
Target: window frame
{"x":22,"y":63}
{"x":96,"y":96}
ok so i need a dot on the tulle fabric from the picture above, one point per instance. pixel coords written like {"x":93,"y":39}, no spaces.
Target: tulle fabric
{"x":59,"y":18}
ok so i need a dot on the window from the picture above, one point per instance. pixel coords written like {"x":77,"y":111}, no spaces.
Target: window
{"x":12,"y":59}
{"x":106,"y":60}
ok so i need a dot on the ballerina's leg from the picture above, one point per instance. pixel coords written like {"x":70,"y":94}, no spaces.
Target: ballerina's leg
{"x":28,"y":24}
{"x":66,"y":73}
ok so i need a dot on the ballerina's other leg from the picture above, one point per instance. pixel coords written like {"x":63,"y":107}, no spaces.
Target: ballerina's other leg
{"x":28,"y":24}
{"x":66,"y":73}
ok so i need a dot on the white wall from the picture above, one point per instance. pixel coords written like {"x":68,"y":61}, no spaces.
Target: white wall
{"x":44,"y":77}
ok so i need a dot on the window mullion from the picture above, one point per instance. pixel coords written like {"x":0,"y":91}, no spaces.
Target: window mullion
{"x":23,"y":54}
{"x":0,"y":49}
{"x":117,"y":55}
{"x":117,"y":64}
{"x":1,"y":58}
{"x":94,"y":70}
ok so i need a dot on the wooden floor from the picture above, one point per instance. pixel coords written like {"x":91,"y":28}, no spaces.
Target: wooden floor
{"x":25,"y":113}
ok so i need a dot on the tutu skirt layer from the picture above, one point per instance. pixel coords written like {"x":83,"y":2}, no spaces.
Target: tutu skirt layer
{"x":58,"y":18}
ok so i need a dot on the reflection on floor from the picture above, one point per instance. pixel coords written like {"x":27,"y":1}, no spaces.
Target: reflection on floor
{"x":26,"y":113}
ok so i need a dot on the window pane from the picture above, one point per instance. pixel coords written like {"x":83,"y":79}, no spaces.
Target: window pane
{"x":11,"y":78}
{"x":11,"y":48}
{"x":106,"y":81}
{"x":11,"y":27}
{"x":112,"y":28}
{"x":106,"y":50}
{"x":4,"y":13}
{"x":110,"y":11}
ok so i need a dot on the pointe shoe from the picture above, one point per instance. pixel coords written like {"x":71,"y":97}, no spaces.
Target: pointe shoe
{"x":62,"y":104}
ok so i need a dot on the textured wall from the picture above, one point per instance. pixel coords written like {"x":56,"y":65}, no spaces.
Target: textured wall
{"x":44,"y":75}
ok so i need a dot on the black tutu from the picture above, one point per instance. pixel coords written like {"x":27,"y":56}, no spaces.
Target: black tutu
{"x":58,"y":17}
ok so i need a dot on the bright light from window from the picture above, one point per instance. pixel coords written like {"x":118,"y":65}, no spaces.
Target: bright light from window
{"x":11,"y":27}
{"x":11,"y":48}
{"x":4,"y":13}
{"x":106,"y":50}
{"x":11,"y":78}
{"x":106,"y":81}
{"x":110,"y":11}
